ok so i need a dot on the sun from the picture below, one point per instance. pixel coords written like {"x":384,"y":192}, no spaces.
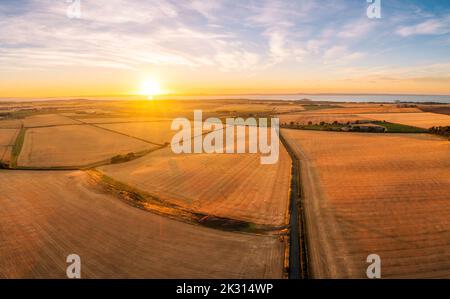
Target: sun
{"x":150,"y":88}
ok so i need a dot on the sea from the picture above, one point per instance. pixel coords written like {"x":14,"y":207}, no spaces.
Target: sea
{"x":359,"y":98}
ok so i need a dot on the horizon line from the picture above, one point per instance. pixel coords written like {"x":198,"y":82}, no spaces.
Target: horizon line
{"x":222,"y":94}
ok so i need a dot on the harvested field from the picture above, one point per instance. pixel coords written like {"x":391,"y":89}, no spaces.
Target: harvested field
{"x":7,"y":140}
{"x":8,"y":136}
{"x":227,"y":185}
{"x":75,"y":146}
{"x":316,"y":118}
{"x":259,"y":107}
{"x":382,"y":194}
{"x":440,"y":109}
{"x":369,"y":108}
{"x":424,"y":120}
{"x":157,"y":132}
{"x":280,"y":108}
{"x":113,"y":120}
{"x":10,"y":124}
{"x":5,"y":154}
{"x":44,"y":120}
{"x":46,"y":216}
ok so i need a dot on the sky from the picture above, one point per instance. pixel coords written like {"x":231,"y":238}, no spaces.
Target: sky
{"x":223,"y":46}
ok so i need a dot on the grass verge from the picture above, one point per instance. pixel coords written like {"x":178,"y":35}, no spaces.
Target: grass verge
{"x":145,"y":201}
{"x":17,"y":146}
{"x":310,"y":107}
{"x":399,"y":128}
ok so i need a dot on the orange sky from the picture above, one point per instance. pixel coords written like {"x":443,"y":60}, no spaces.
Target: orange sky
{"x":39,"y":85}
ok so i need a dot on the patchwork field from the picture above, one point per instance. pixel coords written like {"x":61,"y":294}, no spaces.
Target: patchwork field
{"x":371,"y":193}
{"x":46,"y":216}
{"x":364,"y":193}
{"x":424,"y":120}
{"x":234,"y":186}
{"x":75,"y":145}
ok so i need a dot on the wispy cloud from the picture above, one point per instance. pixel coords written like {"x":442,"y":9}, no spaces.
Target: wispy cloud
{"x":123,"y":34}
{"x":428,"y":27}
{"x":237,"y":37}
{"x":341,"y":55}
{"x":356,"y":29}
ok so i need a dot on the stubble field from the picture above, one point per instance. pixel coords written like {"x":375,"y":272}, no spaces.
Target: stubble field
{"x":7,"y":140}
{"x":46,"y":216}
{"x":424,"y":120}
{"x":227,"y":185}
{"x":369,"y":108}
{"x":74,"y":145}
{"x":373,"y":193}
{"x":45,"y":120}
{"x":158,"y":132}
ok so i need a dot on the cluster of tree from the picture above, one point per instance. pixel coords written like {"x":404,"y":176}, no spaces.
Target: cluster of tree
{"x":406,"y":106}
{"x":334,"y":126}
{"x":444,"y":131}
{"x":322,"y":123}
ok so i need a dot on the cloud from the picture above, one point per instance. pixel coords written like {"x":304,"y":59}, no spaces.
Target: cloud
{"x":278,"y":21}
{"x":118,"y":34}
{"x":359,"y":28}
{"x":207,"y":9}
{"x":428,"y":27}
{"x":228,"y":36}
{"x":437,"y":72}
{"x":340,"y":55}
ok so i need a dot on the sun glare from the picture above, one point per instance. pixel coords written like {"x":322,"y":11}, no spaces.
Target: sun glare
{"x":150,"y":88}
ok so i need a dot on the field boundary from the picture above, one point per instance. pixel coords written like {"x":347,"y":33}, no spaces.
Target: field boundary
{"x":390,"y":128}
{"x":105,"y":162}
{"x":17,"y":147}
{"x":113,"y":131}
{"x":298,"y":241}
{"x":143,"y":200}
